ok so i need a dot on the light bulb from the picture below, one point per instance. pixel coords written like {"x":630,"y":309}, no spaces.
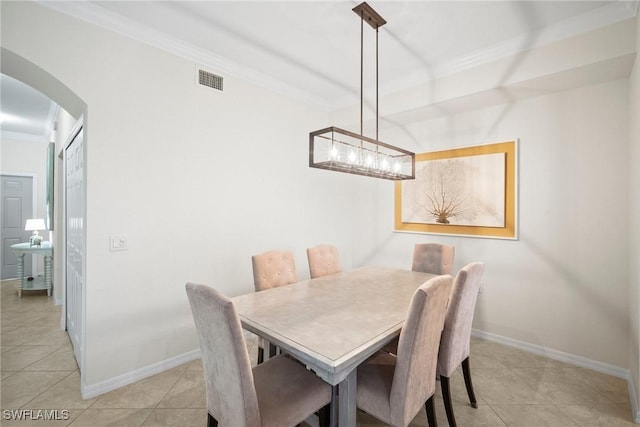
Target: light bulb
{"x":352,"y":156}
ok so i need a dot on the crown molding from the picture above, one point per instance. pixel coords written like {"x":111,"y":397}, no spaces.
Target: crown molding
{"x":597,"y":18}
{"x":92,"y":13}
{"x":574,"y":26}
{"x":106,"y":19}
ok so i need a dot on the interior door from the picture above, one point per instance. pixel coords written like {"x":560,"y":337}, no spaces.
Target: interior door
{"x":74,"y":238}
{"x":17,"y":207}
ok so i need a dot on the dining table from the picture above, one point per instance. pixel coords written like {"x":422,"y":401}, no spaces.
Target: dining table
{"x":334,"y":323}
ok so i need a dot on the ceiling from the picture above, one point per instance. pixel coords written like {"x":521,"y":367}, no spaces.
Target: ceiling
{"x":25,"y":113}
{"x":311,"y":49}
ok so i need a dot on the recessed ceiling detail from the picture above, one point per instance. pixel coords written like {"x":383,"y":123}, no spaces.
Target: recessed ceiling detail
{"x":425,"y":40}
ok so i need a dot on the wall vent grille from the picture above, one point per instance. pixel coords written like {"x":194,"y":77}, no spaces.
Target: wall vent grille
{"x":211,"y":80}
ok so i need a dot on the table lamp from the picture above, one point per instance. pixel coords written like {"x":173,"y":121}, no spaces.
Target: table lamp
{"x":35,"y":225}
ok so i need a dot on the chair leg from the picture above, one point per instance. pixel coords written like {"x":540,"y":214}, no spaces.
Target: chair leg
{"x":211,"y":422}
{"x":466,"y":371}
{"x":260,"y":355}
{"x":446,"y":396}
{"x":431,"y":413}
{"x":272,"y":350}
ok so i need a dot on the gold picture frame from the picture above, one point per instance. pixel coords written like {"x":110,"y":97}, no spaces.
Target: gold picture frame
{"x":469,"y":191}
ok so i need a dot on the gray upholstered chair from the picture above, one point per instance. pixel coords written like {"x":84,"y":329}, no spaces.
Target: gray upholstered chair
{"x":433,"y":258}
{"x":456,"y":336}
{"x":278,"y":393}
{"x":394,"y":388}
{"x":270,"y":270}
{"x":323,"y":260}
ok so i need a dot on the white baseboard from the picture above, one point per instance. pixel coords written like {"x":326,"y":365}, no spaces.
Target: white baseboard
{"x":635,"y":413}
{"x":94,"y":390}
{"x":572,"y":359}
{"x":561,"y":356}
{"x":89,"y":392}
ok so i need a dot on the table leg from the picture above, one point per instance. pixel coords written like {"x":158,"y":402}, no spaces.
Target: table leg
{"x":47,"y":274}
{"x":333,"y":416}
{"x":347,"y":400}
{"x":20,"y":269}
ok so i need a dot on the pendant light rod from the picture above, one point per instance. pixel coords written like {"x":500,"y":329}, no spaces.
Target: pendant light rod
{"x":361,"y":71}
{"x":339,"y":150}
{"x":377,"y":116}
{"x":376,"y":21}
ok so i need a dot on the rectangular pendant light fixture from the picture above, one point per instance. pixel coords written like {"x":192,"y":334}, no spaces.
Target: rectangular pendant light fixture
{"x":339,"y":150}
{"x":343,"y":151}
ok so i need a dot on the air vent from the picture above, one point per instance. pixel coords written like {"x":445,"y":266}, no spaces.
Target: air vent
{"x":211,"y":80}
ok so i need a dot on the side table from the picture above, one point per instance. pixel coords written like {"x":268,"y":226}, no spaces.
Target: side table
{"x":45,"y":249}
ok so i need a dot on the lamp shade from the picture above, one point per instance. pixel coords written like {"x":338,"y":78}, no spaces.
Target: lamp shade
{"x":35,"y":224}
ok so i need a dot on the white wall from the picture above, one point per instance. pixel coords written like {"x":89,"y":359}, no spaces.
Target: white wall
{"x":29,"y":157}
{"x":564,"y":284}
{"x":634,"y":226}
{"x":198,"y":181}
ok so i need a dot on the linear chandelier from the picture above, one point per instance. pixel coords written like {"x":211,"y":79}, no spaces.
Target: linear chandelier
{"x":339,"y":150}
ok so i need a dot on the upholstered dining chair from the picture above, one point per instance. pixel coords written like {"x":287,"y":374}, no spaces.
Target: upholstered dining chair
{"x":456,"y":336}
{"x":433,"y":258}
{"x":273,"y":268}
{"x":278,"y":393}
{"x":323,"y":260}
{"x":270,"y":270}
{"x":394,"y":388}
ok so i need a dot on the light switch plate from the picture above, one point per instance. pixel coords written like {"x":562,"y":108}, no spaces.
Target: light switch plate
{"x":118,"y":242}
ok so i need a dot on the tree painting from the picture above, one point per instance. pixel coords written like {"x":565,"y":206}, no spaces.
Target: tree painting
{"x":466,"y":190}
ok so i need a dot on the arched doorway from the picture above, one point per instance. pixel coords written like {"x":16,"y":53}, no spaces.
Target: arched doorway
{"x":29,"y":73}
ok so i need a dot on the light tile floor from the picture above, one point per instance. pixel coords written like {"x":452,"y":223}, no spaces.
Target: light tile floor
{"x":513,"y":388}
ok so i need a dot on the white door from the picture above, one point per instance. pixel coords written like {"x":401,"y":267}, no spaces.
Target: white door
{"x":74,"y":239}
{"x":17,"y":207}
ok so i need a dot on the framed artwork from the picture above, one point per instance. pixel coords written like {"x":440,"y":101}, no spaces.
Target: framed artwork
{"x":469,"y":191}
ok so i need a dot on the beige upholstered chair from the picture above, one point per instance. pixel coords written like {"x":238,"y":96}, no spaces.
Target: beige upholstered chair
{"x":456,"y":336}
{"x":323,"y":260}
{"x":277,"y":393}
{"x":270,"y":270}
{"x":393,"y":389}
{"x":433,"y":258}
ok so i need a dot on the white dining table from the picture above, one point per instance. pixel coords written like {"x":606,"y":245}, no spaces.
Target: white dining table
{"x":334,"y":323}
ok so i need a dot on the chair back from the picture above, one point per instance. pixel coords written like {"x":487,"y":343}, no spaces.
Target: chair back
{"x":456,"y":336}
{"x":272,"y":269}
{"x":230,"y":389}
{"x":433,"y":258}
{"x":414,"y":380}
{"x":323,"y":261}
